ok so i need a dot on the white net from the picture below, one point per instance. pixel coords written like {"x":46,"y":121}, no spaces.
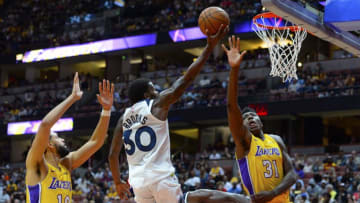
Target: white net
{"x":284,"y":45}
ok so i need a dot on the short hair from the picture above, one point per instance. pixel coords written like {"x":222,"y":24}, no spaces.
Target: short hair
{"x":329,"y":186}
{"x":137,"y":90}
{"x":247,"y":109}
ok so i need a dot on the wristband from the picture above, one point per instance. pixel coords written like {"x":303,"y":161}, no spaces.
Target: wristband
{"x":105,"y":112}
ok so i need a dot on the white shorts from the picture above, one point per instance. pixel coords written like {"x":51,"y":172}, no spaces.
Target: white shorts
{"x":167,"y":190}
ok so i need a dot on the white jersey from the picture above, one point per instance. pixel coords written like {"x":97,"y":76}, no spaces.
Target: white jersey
{"x":147,"y":145}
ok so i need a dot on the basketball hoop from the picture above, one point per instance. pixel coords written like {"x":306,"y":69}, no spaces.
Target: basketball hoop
{"x":283,"y":40}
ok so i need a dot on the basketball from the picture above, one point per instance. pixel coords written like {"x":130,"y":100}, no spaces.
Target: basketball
{"x":211,"y":18}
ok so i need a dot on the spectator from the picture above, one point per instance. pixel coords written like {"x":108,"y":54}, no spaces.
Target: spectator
{"x":356,"y":195}
{"x":216,"y":170}
{"x":329,"y":163}
{"x":204,"y":82}
{"x":326,"y":198}
{"x":197,"y":169}
{"x":234,"y":188}
{"x":227,"y":183}
{"x":299,"y":170}
{"x":355,"y":157}
{"x":77,"y":191}
{"x":308,"y":168}
{"x":313,"y":189}
{"x":342,"y":194}
{"x":4,"y":196}
{"x":193,"y":181}
{"x":214,"y":155}
{"x":329,"y":189}
{"x":111,"y":194}
{"x":296,"y":190}
{"x":303,"y":197}
{"x":220,"y":186}
{"x":341,"y":160}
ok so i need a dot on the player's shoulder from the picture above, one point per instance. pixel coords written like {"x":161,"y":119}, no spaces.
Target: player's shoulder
{"x":36,"y":172}
{"x":279,"y":140}
{"x":66,"y":162}
{"x":274,"y":136}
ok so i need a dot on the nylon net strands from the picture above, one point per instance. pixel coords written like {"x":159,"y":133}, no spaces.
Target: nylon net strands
{"x":283,"y":40}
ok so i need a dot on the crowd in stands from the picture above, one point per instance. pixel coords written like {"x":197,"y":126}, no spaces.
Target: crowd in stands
{"x":40,"y":21}
{"x":178,"y":14}
{"x":44,"y":23}
{"x":330,"y":178}
{"x":314,"y":82}
{"x":327,"y":179}
{"x":34,"y":101}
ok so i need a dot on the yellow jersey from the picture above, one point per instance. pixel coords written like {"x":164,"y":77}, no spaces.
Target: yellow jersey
{"x":262,"y":169}
{"x":55,"y":188}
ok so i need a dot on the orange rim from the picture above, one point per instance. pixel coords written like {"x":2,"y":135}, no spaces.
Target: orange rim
{"x":272,"y":15}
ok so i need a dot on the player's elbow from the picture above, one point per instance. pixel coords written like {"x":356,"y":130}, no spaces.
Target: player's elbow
{"x":294,"y":177}
{"x":112,"y":159}
{"x":109,"y":158}
{"x":113,"y":156}
{"x":99,"y":144}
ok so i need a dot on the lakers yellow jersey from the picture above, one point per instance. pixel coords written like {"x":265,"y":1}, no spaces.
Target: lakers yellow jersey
{"x":55,"y":188}
{"x":262,"y":169}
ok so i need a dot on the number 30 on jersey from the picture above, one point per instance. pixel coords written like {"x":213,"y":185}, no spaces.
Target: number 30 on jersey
{"x":132,"y":144}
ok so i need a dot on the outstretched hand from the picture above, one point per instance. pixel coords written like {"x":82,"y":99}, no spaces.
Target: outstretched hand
{"x":123,"y":190}
{"x":106,"y":96}
{"x":76,"y":93}
{"x":233,"y":54}
{"x":212,"y":40}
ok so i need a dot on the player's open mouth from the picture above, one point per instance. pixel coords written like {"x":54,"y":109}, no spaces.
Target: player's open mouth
{"x":252,"y":124}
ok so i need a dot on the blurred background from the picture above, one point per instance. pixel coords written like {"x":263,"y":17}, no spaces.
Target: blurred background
{"x":43,"y":43}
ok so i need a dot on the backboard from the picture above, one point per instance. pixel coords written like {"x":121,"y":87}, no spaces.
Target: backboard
{"x":337,"y":23}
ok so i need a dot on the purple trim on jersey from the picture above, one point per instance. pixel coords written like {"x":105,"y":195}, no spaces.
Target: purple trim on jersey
{"x":245,"y":174}
{"x":34,"y":193}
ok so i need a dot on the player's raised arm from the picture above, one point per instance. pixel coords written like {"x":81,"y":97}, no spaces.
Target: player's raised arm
{"x":41,"y":140}
{"x":172,"y":94}
{"x":122,"y":188}
{"x":105,"y":98}
{"x":239,"y":132}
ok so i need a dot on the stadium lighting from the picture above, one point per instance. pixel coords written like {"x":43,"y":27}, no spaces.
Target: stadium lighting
{"x":90,"y":48}
{"x":31,"y":127}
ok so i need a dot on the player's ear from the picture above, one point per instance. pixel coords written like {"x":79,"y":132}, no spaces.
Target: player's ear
{"x":146,"y":95}
{"x":51,"y":146}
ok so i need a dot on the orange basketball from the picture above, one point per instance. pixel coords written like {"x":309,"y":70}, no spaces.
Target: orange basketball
{"x":211,"y":18}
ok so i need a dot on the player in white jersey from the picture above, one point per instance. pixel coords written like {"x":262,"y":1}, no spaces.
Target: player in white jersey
{"x":144,"y":131}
